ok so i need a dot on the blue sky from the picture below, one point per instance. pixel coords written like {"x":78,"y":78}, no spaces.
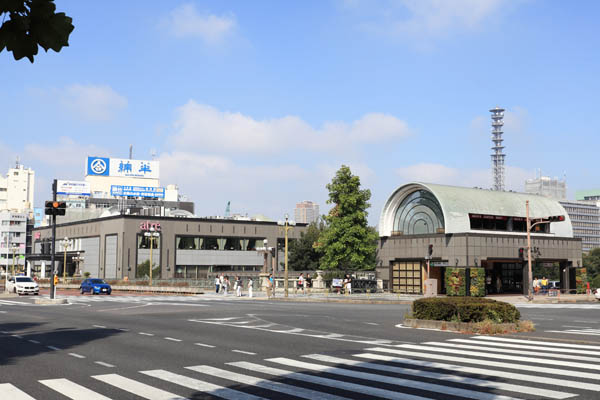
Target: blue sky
{"x":260,"y":102}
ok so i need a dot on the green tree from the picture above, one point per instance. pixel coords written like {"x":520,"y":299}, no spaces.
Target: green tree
{"x":143,"y":270}
{"x":303,"y":255}
{"x":29,"y":23}
{"x":591,"y":262}
{"x":347,"y":243}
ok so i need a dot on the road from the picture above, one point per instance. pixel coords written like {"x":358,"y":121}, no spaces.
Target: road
{"x":166,"y":347}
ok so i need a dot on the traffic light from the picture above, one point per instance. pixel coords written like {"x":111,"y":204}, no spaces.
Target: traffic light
{"x":55,"y":280}
{"x":556,"y":218}
{"x":55,"y":207}
{"x":430,"y":250}
{"x":521,"y":252}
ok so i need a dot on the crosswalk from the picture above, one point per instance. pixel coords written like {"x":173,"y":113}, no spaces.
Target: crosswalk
{"x":477,"y":367}
{"x":577,"y":306}
{"x":583,"y":331}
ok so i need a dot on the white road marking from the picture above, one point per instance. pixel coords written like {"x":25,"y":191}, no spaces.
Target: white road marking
{"x":72,"y":390}
{"x":17,"y":336}
{"x":204,"y":345}
{"x":244,"y":352}
{"x":537,"y":360}
{"x":427,"y":386}
{"x":200,"y":386}
{"x":539,"y":348}
{"x":104,"y":364}
{"x":512,"y":351}
{"x":123,"y":329}
{"x":577,"y":332}
{"x":371,"y":323}
{"x":76,"y":355}
{"x":553,"y":344}
{"x":137,"y":388}
{"x":172,"y":339}
{"x":444,"y":377}
{"x":306,"y":378}
{"x":33,"y":341}
{"x":12,"y":393}
{"x":53,"y":348}
{"x":2,"y":312}
{"x":490,"y":363}
{"x":99,"y":326}
{"x":146,"y":334}
{"x":482,"y":371}
{"x":296,"y":391}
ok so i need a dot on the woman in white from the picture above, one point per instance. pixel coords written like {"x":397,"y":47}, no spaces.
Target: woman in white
{"x":249,"y":287}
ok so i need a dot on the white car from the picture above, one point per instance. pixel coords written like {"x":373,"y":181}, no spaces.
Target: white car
{"x":597,"y":294}
{"x":22,"y":285}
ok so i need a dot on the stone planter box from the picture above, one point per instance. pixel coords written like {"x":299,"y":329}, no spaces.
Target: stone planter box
{"x":448,"y":325}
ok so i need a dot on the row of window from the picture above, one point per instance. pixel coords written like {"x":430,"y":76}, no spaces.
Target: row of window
{"x":504,"y":223}
{"x":218,"y":243}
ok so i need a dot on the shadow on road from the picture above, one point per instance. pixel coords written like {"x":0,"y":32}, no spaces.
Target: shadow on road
{"x":26,"y":339}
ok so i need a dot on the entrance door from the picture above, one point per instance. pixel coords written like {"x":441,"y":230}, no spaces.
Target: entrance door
{"x":512,"y":277}
{"x":406,"y":277}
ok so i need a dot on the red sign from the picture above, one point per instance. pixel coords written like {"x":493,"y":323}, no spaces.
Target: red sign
{"x":37,"y":235}
{"x":147,"y":225}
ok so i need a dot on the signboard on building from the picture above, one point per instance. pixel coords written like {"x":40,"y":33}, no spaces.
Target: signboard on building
{"x":104,"y":166}
{"x":137,"y":191}
{"x":73,"y":188}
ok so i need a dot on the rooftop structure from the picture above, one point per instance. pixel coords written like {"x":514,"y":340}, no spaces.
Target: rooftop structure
{"x":547,"y":187}
{"x":497,"y":155}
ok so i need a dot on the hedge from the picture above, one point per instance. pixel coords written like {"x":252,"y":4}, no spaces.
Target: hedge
{"x":581,"y":280}
{"x":477,"y":282}
{"x":464,"y":309}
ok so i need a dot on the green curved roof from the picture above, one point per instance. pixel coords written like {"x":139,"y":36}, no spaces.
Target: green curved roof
{"x":458,"y":202}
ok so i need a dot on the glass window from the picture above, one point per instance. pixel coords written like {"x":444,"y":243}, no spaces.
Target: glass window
{"x":419,"y":213}
{"x":144,"y":242}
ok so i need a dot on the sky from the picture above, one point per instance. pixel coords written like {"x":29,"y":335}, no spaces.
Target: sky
{"x":260,"y":102}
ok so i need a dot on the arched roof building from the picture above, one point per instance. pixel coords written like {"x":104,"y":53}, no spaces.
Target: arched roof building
{"x":421,"y":208}
{"x":458,"y":227}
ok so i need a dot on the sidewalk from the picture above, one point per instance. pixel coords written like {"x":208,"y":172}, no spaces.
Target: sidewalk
{"x":545,"y":299}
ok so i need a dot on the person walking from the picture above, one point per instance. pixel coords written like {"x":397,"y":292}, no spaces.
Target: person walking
{"x":250,"y":287}
{"x":221,"y":283}
{"x":217,"y":284}
{"x":301,"y":282}
{"x":238,"y":286}
{"x":225,"y":285}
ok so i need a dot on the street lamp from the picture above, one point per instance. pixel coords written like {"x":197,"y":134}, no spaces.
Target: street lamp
{"x":78,"y":258}
{"x":66,"y":243}
{"x":152,"y":235}
{"x":287,"y":225}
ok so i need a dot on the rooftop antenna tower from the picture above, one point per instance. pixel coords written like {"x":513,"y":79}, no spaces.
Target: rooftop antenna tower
{"x":497,"y":155}
{"x":131,"y":152}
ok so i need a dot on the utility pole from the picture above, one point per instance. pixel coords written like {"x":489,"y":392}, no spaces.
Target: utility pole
{"x":52,"y":248}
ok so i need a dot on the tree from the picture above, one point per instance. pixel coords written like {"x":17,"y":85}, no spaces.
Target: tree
{"x":31,"y":23}
{"x":347,"y":242}
{"x":591,"y":262}
{"x":303,"y":255}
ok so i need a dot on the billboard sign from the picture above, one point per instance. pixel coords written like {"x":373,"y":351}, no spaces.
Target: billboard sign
{"x":137,"y":191}
{"x":73,"y":188}
{"x":103,"y":166}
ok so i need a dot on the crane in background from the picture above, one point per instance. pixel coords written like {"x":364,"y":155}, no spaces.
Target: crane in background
{"x":228,"y":210}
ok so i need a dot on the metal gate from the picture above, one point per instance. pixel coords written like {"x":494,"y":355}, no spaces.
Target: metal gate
{"x":407,"y":277}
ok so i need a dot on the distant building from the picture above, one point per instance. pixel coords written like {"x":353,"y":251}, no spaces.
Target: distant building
{"x":585,"y":219}
{"x":547,"y":187}
{"x":13,"y":234}
{"x":17,"y":189}
{"x":306,"y":212}
{"x":590,"y":195}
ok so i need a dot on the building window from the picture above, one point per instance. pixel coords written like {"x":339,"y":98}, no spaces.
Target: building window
{"x":419,"y":213}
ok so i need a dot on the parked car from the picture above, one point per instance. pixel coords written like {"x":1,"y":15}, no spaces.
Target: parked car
{"x":22,"y":285}
{"x":597,"y":294}
{"x":95,"y":286}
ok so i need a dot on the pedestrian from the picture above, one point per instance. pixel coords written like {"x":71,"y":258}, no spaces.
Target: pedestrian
{"x":217,"y":284}
{"x":238,"y":286}
{"x":308,"y":281}
{"x":221,"y":282}
{"x":301,"y":282}
{"x":348,"y":285}
{"x":544,"y":285}
{"x":250,"y":287}
{"x":270,"y":286}
{"x":226,"y":285}
{"x":536,"y":285}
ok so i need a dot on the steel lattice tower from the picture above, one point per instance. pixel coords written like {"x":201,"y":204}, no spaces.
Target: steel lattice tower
{"x":497,"y":155}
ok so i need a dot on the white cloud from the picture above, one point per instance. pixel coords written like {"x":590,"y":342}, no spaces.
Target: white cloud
{"x":204,"y":127}
{"x":63,"y":157}
{"x":92,"y":102}
{"x":425,"y":20}
{"x":473,"y":177}
{"x":186,"y":21}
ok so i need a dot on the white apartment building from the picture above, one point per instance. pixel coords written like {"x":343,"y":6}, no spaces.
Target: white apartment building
{"x":306,"y":212}
{"x":17,"y":189}
{"x":13,"y":235}
{"x":585,"y":219}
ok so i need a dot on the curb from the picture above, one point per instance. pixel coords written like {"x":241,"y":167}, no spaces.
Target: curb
{"x":50,"y":301}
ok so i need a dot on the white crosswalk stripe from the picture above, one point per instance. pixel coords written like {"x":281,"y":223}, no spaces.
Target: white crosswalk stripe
{"x":478,"y":367}
{"x":580,"y":306}
{"x":592,"y":332}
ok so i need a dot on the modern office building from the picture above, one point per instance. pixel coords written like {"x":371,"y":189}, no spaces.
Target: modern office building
{"x":119,"y":246}
{"x":470,"y":228}
{"x":17,"y":189}
{"x":306,"y":212}
{"x":585,"y":218}
{"x":13,"y":239}
{"x":548,"y":187}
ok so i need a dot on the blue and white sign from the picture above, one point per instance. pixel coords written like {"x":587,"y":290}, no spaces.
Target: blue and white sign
{"x":73,"y":188}
{"x":98,"y":166}
{"x":101,"y":166}
{"x":137,"y":191}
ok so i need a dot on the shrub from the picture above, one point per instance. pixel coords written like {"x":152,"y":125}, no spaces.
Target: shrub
{"x":464,"y":309}
{"x":581,"y":280}
{"x":477,"y":288}
{"x":455,"y":281}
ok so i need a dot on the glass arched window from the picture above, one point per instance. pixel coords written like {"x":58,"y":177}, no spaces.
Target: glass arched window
{"x":419,"y":213}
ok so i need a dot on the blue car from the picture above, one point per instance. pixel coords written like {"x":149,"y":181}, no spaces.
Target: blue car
{"x":95,"y":286}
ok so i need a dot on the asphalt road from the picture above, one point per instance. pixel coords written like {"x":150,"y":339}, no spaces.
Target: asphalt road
{"x":163,"y":347}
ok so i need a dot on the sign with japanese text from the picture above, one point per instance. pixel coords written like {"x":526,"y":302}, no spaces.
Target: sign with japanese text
{"x":103,"y":166}
{"x":137,"y":191}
